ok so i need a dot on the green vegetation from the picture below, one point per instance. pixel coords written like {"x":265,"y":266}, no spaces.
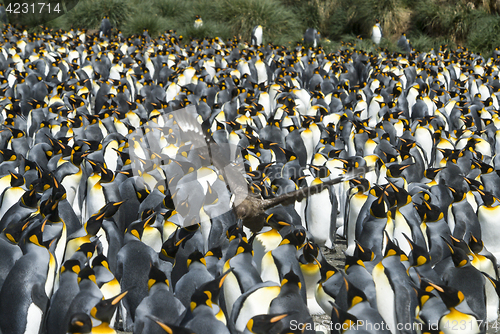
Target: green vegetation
{"x":427,"y":23}
{"x":89,"y":13}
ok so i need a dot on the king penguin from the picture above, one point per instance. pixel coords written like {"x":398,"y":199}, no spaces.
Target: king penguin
{"x":198,"y":22}
{"x":105,"y":28}
{"x":105,"y":312}
{"x":204,"y":320}
{"x":11,"y":195}
{"x":454,"y":299}
{"x":264,"y":323}
{"x":61,"y":300}
{"x":358,"y":306}
{"x":310,"y":267}
{"x":134,"y":261}
{"x":465,"y":277}
{"x":257,"y":36}
{"x":243,"y":276}
{"x":377,"y":32}
{"x":251,"y":303}
{"x":196,"y":275}
{"x":3,"y":15}
{"x":321,"y":216}
{"x":357,"y":198}
{"x":290,"y":301}
{"x":311,"y":37}
{"x":487,"y":214}
{"x":29,"y":284}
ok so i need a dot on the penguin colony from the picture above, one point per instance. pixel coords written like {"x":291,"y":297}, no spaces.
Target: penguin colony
{"x":91,"y":239}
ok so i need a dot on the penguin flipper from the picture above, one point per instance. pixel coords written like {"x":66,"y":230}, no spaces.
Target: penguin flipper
{"x":39,"y":297}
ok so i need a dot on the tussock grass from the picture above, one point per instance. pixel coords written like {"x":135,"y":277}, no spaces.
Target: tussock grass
{"x":280,"y":23}
{"x":424,"y":43}
{"x":427,"y":23}
{"x":358,"y":17}
{"x":170,"y":8}
{"x":437,"y":19}
{"x":89,"y":13}
{"x":485,"y":34}
{"x":209,"y":29}
{"x":314,"y":13}
{"x":153,"y":23}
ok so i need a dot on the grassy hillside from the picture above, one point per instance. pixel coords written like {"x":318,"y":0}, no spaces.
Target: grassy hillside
{"x":427,"y":23}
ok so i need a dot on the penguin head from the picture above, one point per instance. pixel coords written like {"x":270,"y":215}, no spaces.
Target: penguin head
{"x":458,"y":194}
{"x":295,"y":238}
{"x":27,"y":165}
{"x":401,"y":196}
{"x":106,"y":175}
{"x":276,"y":222}
{"x":451,"y":297}
{"x":311,"y":252}
{"x":392,"y":249}
{"x":291,"y":279}
{"x":396,"y":170}
{"x":360,"y":184}
{"x":378,"y":208}
{"x":235,"y":232}
{"x":195,"y":256}
{"x":365,"y":254}
{"x":111,"y":208}
{"x":327,"y":270}
{"x":488,"y":198}
{"x":212,"y":288}
{"x":266,"y":323}
{"x":137,"y":229}
{"x":94,"y":224}
{"x":71,"y":265}
{"x":459,"y":257}
{"x":340,"y":316}
{"x":351,"y":261}
{"x":8,"y":155}
{"x":35,"y":235}
{"x":216,"y":252}
{"x":320,"y":171}
{"x":168,"y":328}
{"x":475,"y":245}
{"x":431,"y":173}
{"x":170,"y":247}
{"x":244,"y":247}
{"x":418,"y":255}
{"x":100,"y":261}
{"x":105,"y":309}
{"x":30,"y":198}
{"x":145,"y":214}
{"x":424,"y":293}
{"x":80,"y":323}
{"x":15,"y":230}
{"x":88,"y":248}
{"x":354,"y":295}
{"x":86,"y":273}
{"x":200,"y":297}
{"x":429,"y":212}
